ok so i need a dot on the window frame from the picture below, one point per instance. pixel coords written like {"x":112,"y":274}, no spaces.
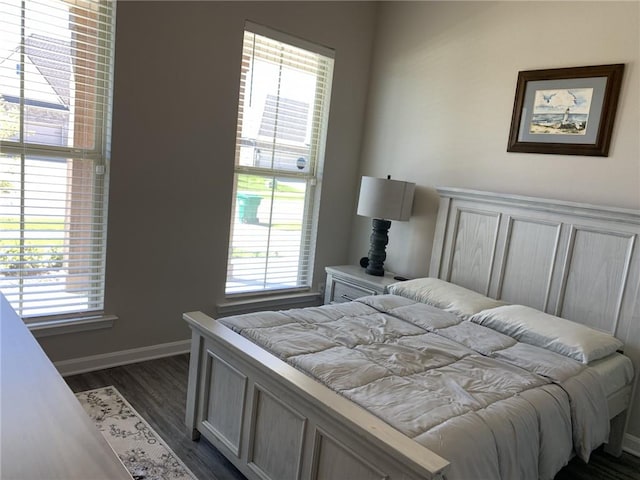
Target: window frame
{"x":98,"y":157}
{"x":312,"y":178}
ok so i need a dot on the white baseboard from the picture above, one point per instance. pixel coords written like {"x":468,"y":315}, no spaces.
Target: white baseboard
{"x":123,"y":357}
{"x":631,"y":444}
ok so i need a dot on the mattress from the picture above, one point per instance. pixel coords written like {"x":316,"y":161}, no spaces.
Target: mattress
{"x":615,"y":371}
{"x":494,"y":407}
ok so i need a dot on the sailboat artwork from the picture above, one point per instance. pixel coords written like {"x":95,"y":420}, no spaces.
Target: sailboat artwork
{"x":561,"y":112}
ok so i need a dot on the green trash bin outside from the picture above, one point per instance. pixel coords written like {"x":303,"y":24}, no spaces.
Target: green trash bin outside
{"x":248,"y":207}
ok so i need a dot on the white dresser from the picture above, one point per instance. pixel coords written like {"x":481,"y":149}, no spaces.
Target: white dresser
{"x":45,"y":432}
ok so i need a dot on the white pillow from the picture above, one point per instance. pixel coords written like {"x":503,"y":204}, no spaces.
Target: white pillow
{"x":447,"y":296}
{"x":557,"y":334}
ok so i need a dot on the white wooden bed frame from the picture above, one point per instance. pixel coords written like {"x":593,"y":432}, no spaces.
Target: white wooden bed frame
{"x":576,"y":261}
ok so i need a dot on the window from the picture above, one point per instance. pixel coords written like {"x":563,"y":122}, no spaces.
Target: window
{"x":282,"y":118}
{"x":55,"y":100}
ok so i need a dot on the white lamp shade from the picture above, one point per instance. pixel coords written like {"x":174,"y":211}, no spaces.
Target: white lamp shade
{"x":385,"y":198}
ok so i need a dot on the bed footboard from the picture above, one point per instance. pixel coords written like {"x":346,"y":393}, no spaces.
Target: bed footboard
{"x":275,"y":423}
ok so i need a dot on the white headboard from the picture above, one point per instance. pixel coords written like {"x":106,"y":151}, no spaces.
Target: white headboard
{"x":576,"y":261}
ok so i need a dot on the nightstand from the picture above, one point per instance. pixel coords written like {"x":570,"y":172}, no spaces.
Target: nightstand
{"x":348,"y":282}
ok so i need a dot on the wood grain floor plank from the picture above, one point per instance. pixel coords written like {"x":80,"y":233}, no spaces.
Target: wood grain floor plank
{"x":157,"y":389}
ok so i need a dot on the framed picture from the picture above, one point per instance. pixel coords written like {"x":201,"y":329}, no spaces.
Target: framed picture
{"x":567,"y":111}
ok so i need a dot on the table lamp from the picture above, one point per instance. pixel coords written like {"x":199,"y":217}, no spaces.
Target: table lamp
{"x":383,"y":200}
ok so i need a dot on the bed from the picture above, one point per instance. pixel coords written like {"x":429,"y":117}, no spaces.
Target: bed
{"x":524,"y":256}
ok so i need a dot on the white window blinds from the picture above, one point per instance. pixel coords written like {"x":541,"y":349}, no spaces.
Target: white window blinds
{"x":285,"y":91}
{"x":55,"y":100}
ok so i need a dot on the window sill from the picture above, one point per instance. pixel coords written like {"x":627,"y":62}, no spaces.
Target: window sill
{"x":275,"y":302}
{"x":47,"y":328}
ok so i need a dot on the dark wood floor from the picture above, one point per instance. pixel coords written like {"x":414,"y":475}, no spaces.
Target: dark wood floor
{"x":157,"y":389}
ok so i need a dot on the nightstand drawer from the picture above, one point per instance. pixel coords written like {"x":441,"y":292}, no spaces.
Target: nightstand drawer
{"x":346,"y":292}
{"x":348,"y":282}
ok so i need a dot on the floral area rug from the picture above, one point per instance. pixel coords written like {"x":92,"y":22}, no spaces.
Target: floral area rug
{"x":140,"y":448}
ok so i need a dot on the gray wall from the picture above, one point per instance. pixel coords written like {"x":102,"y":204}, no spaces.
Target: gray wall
{"x":177,"y":75}
{"x":441,"y":96}
{"x":440,"y":102}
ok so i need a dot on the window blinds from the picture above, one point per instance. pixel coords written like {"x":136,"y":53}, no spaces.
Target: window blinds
{"x":55,"y":101}
{"x":282,"y":117}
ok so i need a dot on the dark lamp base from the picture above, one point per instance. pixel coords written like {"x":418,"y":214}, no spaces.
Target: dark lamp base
{"x":377,"y":273}
{"x":377,"y":252}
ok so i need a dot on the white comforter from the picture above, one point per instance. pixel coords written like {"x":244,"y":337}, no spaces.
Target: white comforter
{"x":494,"y":407}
